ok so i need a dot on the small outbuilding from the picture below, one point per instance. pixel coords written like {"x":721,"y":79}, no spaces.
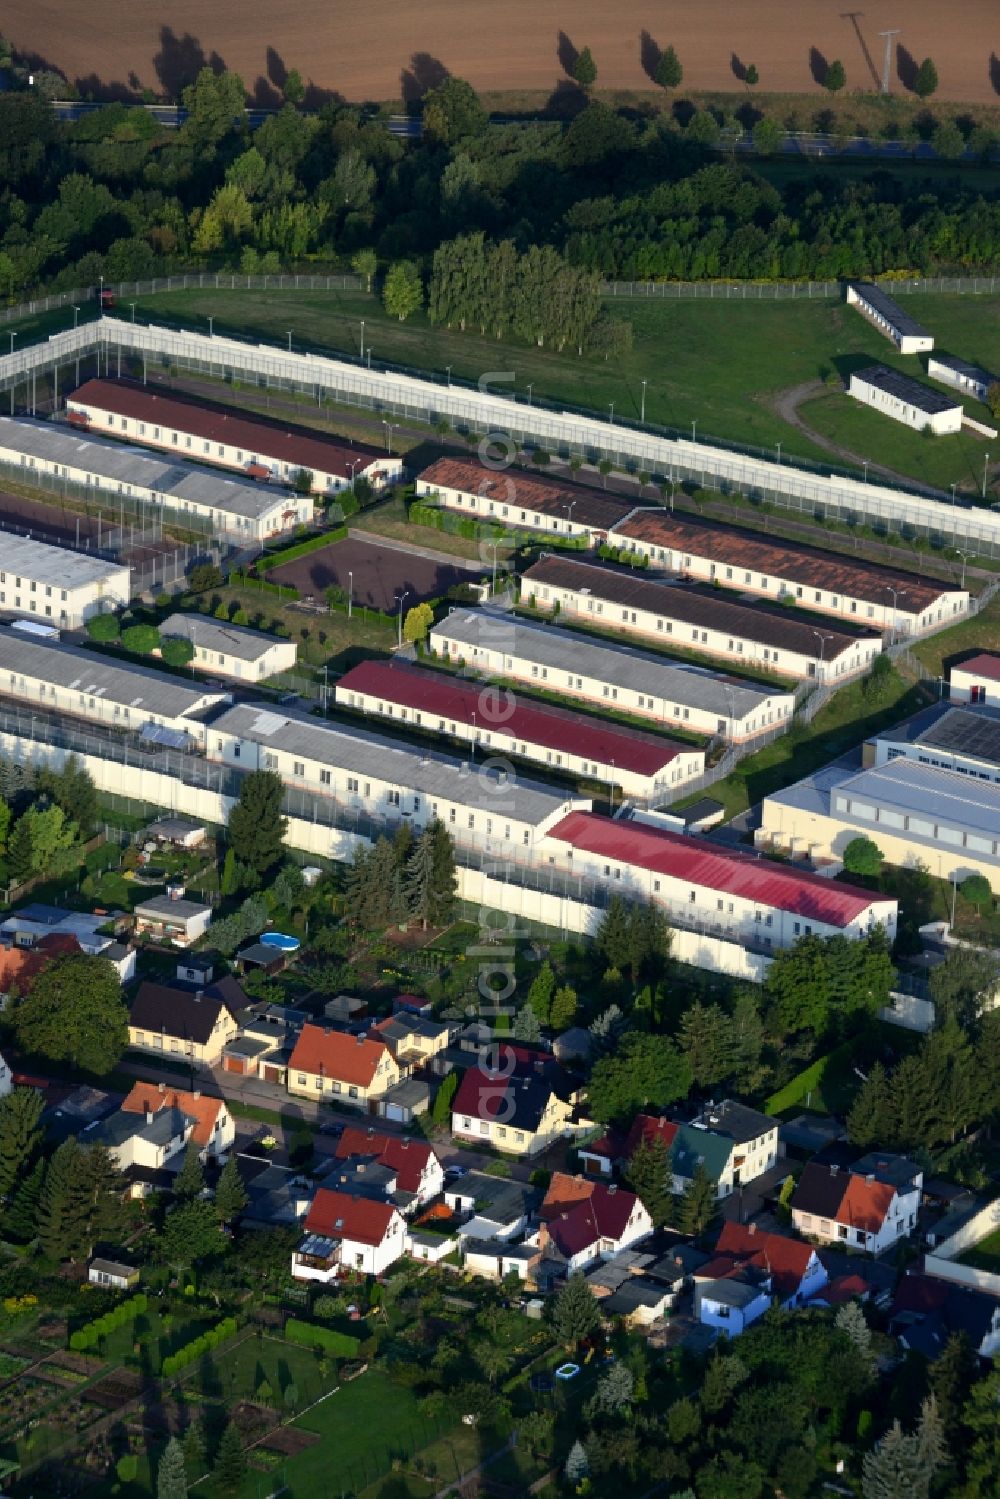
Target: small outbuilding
{"x":906,"y":400}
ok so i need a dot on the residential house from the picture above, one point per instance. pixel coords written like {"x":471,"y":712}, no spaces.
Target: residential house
{"x":142,"y":1144}
{"x":353,"y":1233}
{"x":416,"y":1040}
{"x":745,"y":1145}
{"x":112,"y":1275}
{"x":415,"y":1168}
{"x":871,"y":1205}
{"x":21,"y":965}
{"x":510,"y":1105}
{"x":583,"y":1221}
{"x":167,"y":918}
{"x":796,"y":1271}
{"x":37,"y":922}
{"x":168,"y":1020}
{"x":492,"y":1207}
{"x":731,"y":1304}
{"x":356,"y":1070}
{"x":498,"y":1259}
{"x":928,"y":1310}
{"x":214,"y":1130}
{"x":613,"y":1150}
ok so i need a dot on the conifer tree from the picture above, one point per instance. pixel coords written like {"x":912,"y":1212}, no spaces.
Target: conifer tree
{"x":577,"y":1467}
{"x":540,"y":994}
{"x":651,"y":1179}
{"x":699,"y":1202}
{"x":20,"y":1218}
{"x":195,"y":1457}
{"x":871,"y":1118}
{"x":574,"y":1313}
{"x":20,"y":1135}
{"x":420,"y":879}
{"x":63,"y":1208}
{"x":526,"y":1027}
{"x":190,"y":1179}
{"x":230,"y":1193}
{"x":171,"y":1475}
{"x":230,"y":1463}
{"x":563,"y":1011}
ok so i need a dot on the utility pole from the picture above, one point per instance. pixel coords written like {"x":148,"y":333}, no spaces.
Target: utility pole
{"x":887,"y":57}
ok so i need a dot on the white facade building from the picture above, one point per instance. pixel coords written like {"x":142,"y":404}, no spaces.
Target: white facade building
{"x":960,"y":375}
{"x":82,"y":683}
{"x":728,"y":892}
{"x":236,"y":508}
{"x":610,"y":676}
{"x":57,"y":586}
{"x":231,"y":650}
{"x":879,"y":598}
{"x":871,"y":1205}
{"x":909,"y":336}
{"x":905,"y":400}
{"x":976,"y":680}
{"x":768,"y":638}
{"x":207,"y":432}
{"x":518,"y":500}
{"x":393,"y":781}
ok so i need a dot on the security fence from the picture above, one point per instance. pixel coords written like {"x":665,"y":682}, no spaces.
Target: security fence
{"x":84,"y":297}
{"x":809,"y":490}
{"x":802,"y":291}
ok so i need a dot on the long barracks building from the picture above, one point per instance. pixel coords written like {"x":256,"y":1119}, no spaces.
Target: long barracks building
{"x":609,"y":676}
{"x":497,"y":721}
{"x":880,"y":598}
{"x":208,"y":432}
{"x":767,"y":636}
{"x":235,"y":507}
{"x":516,"y":499}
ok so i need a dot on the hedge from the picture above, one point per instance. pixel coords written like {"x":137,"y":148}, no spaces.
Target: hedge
{"x":326,"y":1338}
{"x":302,"y":548}
{"x":198,"y":1347}
{"x":90,"y":1334}
{"x":440,"y":519}
{"x":795,"y":1091}
{"x":241,"y":579}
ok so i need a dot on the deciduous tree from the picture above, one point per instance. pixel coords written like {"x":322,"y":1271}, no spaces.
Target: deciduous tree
{"x":402,"y":290}
{"x":74,"y":1013}
{"x":926,"y":81}
{"x":584,"y":69}
{"x":669,"y":70}
{"x":835,"y":77}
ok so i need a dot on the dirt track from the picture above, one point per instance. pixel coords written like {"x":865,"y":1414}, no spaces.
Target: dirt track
{"x":373,"y":49}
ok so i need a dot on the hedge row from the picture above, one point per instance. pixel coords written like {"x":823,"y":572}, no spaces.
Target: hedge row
{"x":90,"y":1334}
{"x":800,"y":1086}
{"x":624,"y":555}
{"x":301,"y":549}
{"x":198,"y":1346}
{"x":456,"y":525}
{"x":325,"y":1338}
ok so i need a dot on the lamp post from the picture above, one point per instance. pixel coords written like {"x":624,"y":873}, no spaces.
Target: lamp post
{"x":822,"y":638}
{"x":531,"y":386}
{"x":694,"y":431}
{"x":289,"y":340}
{"x":953,"y":488}
{"x":611,"y":789}
{"x":779,"y":454}
{"x":569,"y":516}
{"x":353,"y":464}
{"x":642,"y":406}
{"x":362,"y":338}
{"x":494,"y":545}
{"x":350,"y":593}
{"x":965,"y":556}
{"x":132,"y":305}
{"x":986,"y":473}
{"x":865,"y":462}
{"x":404,"y":595}
{"x":211,"y":328}
{"x":369,"y":356}
{"x":102,"y":297}
{"x":390,"y":428}
{"x":472,"y":743}
{"x":12,"y":338}
{"x":448,"y":373}
{"x":672,"y":487}
{"x":897,"y":594}
{"x":611,"y":418}
{"x":76,"y":314}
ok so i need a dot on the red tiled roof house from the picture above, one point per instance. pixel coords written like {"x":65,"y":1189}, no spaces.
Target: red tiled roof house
{"x":348,"y":1233}
{"x":356,"y":1070}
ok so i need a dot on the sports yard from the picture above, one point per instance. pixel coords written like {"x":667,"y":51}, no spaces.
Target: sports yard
{"x":376,"y":575}
{"x":374,"y":49}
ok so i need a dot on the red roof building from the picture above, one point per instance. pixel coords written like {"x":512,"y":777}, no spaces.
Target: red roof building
{"x":254,"y":444}
{"x":870,"y":1206}
{"x":794,"y":1266}
{"x":338,"y":1215}
{"x":586,"y":1220}
{"x":690,"y":872}
{"x":20,"y":966}
{"x":501,"y":720}
{"x":517,"y":498}
{"x":984,"y":665}
{"x":414,"y":1163}
{"x":325,"y":1060}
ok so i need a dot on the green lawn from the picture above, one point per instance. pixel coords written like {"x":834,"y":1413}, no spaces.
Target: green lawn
{"x":981,"y":632}
{"x":985,"y":1255}
{"x":713,"y":363}
{"x":953,"y":459}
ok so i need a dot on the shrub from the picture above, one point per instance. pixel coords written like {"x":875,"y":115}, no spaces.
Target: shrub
{"x":103,"y":627}
{"x":177,"y":651}
{"x":141,"y":639}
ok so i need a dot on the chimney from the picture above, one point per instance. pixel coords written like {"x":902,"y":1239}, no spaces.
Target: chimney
{"x":612,"y":1188}
{"x":161,"y":1087}
{"x":149,"y":1116}
{"x":752,"y":1228}
{"x":833,"y":1170}
{"x":196,"y":1093}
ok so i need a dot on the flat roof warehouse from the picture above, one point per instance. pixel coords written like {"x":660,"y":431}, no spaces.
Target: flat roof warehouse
{"x":220,"y":424}
{"x":867,"y":581}
{"x":563,"y":650}
{"x":126,"y":465}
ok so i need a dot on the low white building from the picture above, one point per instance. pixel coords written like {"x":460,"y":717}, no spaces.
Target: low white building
{"x":829,"y":583}
{"x":906,"y":400}
{"x":346,"y":1234}
{"x":871,"y":1205}
{"x":85,"y":684}
{"x":231,"y":650}
{"x":208,"y":432}
{"x":6,"y":1077}
{"x":732,"y":1304}
{"x":961,"y":375}
{"x":724,"y":891}
{"x":167,"y":918}
{"x":498,"y":721}
{"x":610,"y":676}
{"x":518,"y":500}
{"x":58,"y":586}
{"x":239,"y":509}
{"x":882,"y":310}
{"x":391,"y":781}
{"x":976,"y":680}
{"x":766,"y":637}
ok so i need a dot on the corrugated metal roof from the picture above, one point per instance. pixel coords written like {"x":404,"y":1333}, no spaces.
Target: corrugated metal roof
{"x":398,"y":764}
{"x":903,"y":388}
{"x":943,"y":796}
{"x":727,"y":546}
{"x":212,"y":634}
{"x":119,"y":463}
{"x":71,"y":667}
{"x":714,"y":868}
{"x":56,"y":566}
{"x":890,"y":309}
{"x":563,"y":650}
{"x":217,"y":423}
{"x":552,"y":728}
{"x":522,"y":491}
{"x":768,"y":624}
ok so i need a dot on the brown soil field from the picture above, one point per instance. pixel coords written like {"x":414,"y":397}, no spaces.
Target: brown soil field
{"x":375,"y":574}
{"x":373,"y":49}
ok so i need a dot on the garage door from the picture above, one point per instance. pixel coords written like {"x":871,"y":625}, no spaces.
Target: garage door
{"x":272,"y":1074}
{"x":232,"y":1064}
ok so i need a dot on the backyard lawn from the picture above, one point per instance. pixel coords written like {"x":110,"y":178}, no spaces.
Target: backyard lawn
{"x":714,"y":363}
{"x":985,"y":1255}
